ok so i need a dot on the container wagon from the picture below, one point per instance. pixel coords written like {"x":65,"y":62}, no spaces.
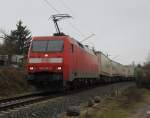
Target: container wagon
{"x":105,"y":67}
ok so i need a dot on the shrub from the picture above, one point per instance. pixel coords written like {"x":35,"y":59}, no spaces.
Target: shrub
{"x":12,"y":81}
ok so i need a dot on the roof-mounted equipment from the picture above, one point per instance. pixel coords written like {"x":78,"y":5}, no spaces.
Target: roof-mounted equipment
{"x":57,"y":18}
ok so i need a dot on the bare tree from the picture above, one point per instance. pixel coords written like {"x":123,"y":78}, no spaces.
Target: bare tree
{"x":148,"y":58}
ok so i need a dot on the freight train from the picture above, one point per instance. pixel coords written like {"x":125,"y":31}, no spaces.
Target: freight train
{"x":60,"y":61}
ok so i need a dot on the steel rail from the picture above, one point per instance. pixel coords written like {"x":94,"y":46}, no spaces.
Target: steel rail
{"x":18,"y":101}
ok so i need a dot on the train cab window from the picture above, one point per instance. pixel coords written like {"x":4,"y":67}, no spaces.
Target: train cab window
{"x":47,"y":46}
{"x":39,"y":45}
{"x":55,"y":46}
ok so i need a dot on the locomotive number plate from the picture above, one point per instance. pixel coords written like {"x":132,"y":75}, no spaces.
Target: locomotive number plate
{"x":43,"y":68}
{"x":45,"y":60}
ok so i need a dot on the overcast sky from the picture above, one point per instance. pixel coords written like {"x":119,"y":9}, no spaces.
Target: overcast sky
{"x":121,"y":27}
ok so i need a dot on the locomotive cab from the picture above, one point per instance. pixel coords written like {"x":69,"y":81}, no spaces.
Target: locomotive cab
{"x":46,"y":61}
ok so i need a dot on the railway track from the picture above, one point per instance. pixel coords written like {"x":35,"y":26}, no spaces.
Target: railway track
{"x":19,"y":101}
{"x":49,"y":108}
{"x":27,"y":99}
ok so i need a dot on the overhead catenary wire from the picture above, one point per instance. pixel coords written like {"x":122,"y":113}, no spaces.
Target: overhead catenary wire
{"x":66,"y":6}
{"x":51,"y":6}
{"x":72,"y":12}
{"x":75,"y":28}
{"x":57,"y":11}
{"x":88,"y":37}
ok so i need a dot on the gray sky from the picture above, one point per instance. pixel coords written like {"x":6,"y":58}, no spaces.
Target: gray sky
{"x":121,"y":27}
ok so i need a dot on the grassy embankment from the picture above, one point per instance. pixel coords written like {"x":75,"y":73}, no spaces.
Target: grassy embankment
{"x":122,"y":106}
{"x":119,"y":106}
{"x":12,"y":82}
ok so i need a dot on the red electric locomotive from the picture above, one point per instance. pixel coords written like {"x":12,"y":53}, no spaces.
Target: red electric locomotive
{"x":60,"y":60}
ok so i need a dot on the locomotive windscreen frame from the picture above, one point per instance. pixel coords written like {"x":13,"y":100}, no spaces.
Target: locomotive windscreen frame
{"x":47,"y":46}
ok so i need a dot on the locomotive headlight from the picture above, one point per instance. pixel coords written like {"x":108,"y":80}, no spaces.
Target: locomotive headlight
{"x":59,"y":68}
{"x":31,"y":68}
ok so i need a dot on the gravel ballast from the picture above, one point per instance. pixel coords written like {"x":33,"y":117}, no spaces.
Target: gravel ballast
{"x":51,"y":108}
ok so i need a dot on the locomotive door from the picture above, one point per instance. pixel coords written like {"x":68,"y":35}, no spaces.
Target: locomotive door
{"x":74,"y":61}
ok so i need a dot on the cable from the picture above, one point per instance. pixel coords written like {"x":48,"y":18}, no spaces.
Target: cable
{"x":87,"y":37}
{"x":75,"y":28}
{"x":57,"y":11}
{"x":71,"y":11}
{"x":52,"y":7}
{"x":66,"y":6}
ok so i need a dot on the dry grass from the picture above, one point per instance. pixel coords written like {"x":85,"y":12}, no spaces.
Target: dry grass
{"x":131,"y":97}
{"x":12,"y":81}
{"x":117,"y":106}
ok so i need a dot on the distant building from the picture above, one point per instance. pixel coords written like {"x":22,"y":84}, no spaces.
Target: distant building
{"x":15,"y":60}
{"x":1,"y":40}
{"x":3,"y":60}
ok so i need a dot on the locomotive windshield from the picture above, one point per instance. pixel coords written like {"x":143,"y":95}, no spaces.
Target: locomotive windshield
{"x":47,"y":45}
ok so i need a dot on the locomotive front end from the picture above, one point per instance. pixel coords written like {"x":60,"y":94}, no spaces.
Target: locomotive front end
{"x":46,"y":62}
